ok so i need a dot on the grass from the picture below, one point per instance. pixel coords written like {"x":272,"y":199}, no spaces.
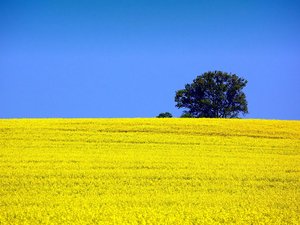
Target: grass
{"x":149,"y":171}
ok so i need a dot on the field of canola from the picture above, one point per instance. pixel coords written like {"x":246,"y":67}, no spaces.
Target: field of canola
{"x":149,"y":171}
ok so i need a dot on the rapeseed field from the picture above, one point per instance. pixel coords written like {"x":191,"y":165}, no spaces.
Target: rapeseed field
{"x":149,"y":171}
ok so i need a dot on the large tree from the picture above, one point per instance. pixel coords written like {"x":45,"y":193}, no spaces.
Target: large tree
{"x":215,"y":95}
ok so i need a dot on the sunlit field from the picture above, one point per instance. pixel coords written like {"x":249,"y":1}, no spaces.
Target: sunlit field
{"x":149,"y":171}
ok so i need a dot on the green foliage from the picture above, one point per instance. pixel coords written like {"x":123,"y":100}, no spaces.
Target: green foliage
{"x":186,"y":115}
{"x":214,"y":95}
{"x":165,"y":115}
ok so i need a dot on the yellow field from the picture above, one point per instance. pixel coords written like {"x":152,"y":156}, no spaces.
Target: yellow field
{"x":149,"y":171}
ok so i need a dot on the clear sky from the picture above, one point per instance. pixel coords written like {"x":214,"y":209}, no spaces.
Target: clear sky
{"x":127,"y":58}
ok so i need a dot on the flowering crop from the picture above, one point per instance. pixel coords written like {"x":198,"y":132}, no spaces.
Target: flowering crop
{"x":149,"y":171}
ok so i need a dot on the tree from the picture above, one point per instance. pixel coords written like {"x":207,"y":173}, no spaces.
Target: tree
{"x":215,"y":95}
{"x":165,"y":115}
{"x":186,"y":115}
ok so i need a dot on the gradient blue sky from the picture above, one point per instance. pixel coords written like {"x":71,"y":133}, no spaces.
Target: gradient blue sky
{"x":127,"y":58}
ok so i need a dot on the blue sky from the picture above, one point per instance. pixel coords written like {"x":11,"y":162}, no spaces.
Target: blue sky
{"x":127,"y":58}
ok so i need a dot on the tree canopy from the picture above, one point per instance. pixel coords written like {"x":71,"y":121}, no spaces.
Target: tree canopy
{"x":165,"y":115}
{"x":214,"y":94}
